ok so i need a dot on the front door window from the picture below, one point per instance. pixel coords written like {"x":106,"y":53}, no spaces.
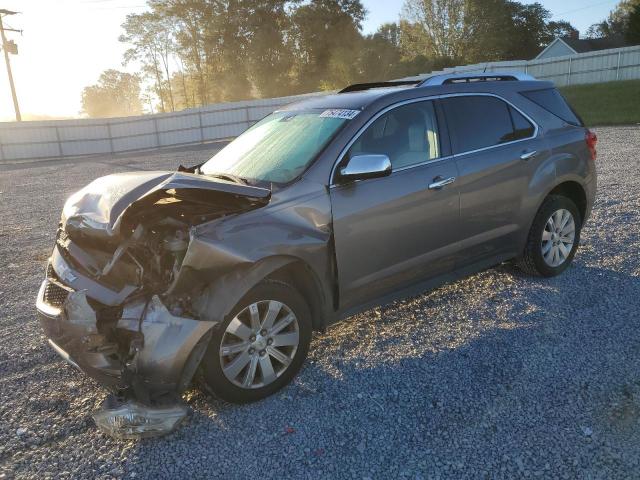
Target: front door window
{"x":407,"y":135}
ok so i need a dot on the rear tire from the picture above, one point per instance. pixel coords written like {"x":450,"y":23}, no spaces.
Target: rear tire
{"x":553,"y":238}
{"x":252,"y":355}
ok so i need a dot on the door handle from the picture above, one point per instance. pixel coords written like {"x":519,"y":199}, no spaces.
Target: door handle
{"x":527,"y":155}
{"x":440,"y":182}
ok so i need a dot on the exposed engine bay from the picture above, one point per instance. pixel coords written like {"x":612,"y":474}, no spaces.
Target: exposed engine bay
{"x":148,"y":251}
{"x":142,"y":243}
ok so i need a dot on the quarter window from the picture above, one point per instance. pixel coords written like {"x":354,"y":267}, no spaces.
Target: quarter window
{"x":552,"y":101}
{"x":482,"y":121}
{"x":408,"y":135}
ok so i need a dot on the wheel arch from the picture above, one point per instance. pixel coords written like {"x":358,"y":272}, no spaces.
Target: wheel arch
{"x":575,"y":192}
{"x":224,"y":292}
{"x":299,"y":275}
{"x":570,"y":187}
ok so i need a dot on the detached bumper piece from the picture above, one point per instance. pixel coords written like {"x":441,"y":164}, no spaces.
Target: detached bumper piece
{"x":132,"y":420}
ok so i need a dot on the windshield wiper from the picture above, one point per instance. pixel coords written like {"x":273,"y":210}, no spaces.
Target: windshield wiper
{"x":228,"y":176}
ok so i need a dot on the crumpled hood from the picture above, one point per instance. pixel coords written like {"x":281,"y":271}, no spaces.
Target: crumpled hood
{"x":97,"y":209}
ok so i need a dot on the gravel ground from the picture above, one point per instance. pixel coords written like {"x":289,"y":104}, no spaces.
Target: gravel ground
{"x":495,"y":376}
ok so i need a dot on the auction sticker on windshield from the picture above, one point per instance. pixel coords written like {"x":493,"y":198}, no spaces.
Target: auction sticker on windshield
{"x":340,"y":113}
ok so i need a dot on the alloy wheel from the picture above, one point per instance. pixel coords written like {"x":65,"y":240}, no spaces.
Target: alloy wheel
{"x":558,"y":237}
{"x":259,"y":344}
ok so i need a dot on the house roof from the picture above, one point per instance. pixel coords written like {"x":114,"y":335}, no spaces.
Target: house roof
{"x":588,"y":44}
{"x":592,"y":44}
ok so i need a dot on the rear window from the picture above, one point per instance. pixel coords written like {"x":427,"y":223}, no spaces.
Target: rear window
{"x":552,"y":101}
{"x":483,"y":121}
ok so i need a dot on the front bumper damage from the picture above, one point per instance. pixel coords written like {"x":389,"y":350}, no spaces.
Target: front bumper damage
{"x":108,"y":303}
{"x":146,"y":264}
{"x":145,"y":357}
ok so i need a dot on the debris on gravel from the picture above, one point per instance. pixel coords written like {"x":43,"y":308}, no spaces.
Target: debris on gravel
{"x":498,"y":375}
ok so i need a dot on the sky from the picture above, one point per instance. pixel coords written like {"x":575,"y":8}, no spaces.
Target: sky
{"x":66,"y":44}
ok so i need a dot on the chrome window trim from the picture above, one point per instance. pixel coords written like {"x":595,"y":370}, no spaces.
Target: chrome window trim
{"x":536,"y":130}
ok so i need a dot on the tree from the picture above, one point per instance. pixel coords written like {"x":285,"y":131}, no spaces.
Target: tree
{"x":191,"y":19}
{"x":380,"y":55}
{"x":632,"y":33}
{"x":222,"y":43}
{"x":470,"y":31}
{"x":269,"y":48}
{"x":484,"y":20}
{"x":561,"y":29}
{"x":325,"y":35}
{"x":616,"y":24}
{"x":151,"y":45}
{"x":116,"y":94}
{"x":528,"y":34}
{"x":438,"y":27}
{"x":234,"y":49}
{"x":389,"y":54}
{"x":194,"y":52}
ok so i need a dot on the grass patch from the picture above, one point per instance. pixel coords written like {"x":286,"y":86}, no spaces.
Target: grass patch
{"x":610,"y":103}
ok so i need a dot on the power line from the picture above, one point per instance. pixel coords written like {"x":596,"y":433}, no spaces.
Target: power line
{"x":118,"y":7}
{"x":89,"y":2}
{"x":586,"y":7}
{"x":9,"y":28}
{"x":121,"y":6}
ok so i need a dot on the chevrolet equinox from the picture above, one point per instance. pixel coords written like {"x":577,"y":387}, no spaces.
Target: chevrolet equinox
{"x":327,"y":207}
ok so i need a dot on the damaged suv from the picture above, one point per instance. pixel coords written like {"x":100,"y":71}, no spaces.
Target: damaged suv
{"x":222,"y":271}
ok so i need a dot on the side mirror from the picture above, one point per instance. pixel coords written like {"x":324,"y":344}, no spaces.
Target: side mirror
{"x":360,"y":167}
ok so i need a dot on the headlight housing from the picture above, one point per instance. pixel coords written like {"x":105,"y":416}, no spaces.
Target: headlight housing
{"x":131,"y":420}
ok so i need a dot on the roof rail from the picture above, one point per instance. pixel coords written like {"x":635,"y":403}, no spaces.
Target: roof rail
{"x":358,"y":87}
{"x":443,"y":79}
{"x":449,"y":78}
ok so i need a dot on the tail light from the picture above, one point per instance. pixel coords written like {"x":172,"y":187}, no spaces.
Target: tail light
{"x":591,"y":139}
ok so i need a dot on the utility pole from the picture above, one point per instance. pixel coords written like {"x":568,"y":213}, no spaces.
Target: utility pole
{"x":5,"y":48}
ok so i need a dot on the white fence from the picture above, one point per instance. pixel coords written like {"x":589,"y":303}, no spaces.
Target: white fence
{"x":21,"y":141}
{"x":591,"y":67}
{"x":66,"y":138}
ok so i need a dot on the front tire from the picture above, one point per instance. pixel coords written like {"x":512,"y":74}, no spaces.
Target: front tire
{"x":553,"y":238}
{"x":261,"y":346}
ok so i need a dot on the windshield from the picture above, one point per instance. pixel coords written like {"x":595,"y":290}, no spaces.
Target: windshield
{"x":279,"y":148}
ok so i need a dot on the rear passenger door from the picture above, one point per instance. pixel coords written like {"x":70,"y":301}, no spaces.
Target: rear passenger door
{"x":494,"y":145}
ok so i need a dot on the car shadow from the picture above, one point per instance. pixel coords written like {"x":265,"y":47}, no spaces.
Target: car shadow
{"x":404,"y":383}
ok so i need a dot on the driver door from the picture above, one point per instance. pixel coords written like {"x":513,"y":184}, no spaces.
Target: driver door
{"x":399,"y":229}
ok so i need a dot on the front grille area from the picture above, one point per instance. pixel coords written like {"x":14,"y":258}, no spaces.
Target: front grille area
{"x":55,"y":294}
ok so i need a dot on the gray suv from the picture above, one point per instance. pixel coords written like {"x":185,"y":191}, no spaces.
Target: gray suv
{"x":222,"y":271}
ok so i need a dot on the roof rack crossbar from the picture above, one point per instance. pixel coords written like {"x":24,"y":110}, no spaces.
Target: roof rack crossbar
{"x":358,"y":87}
{"x":453,"y":78}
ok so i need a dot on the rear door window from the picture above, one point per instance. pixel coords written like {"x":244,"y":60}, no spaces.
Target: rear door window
{"x":522,"y":128}
{"x":477,"y":122}
{"x":552,"y":101}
